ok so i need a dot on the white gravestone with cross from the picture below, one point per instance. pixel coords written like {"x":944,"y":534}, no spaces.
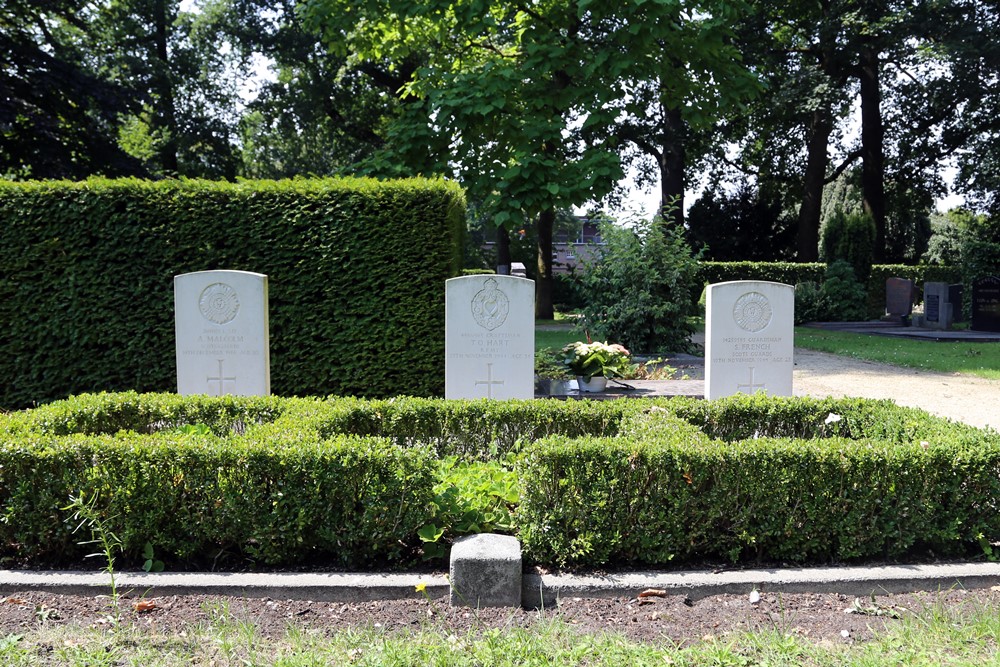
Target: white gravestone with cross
{"x":489,"y":337}
{"x":221,"y":325}
{"x":749,"y":338}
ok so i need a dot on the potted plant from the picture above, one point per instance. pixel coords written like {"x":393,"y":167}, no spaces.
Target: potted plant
{"x":551,"y":376}
{"x":593,"y":363}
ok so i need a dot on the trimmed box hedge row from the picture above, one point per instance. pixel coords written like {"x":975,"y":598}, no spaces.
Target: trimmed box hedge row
{"x":86,"y":280}
{"x":350,"y":482}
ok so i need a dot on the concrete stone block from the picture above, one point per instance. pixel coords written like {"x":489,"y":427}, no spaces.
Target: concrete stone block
{"x":485,"y":571}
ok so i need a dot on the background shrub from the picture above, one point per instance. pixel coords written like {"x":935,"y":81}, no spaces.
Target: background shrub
{"x":850,"y":237}
{"x":643,"y":289}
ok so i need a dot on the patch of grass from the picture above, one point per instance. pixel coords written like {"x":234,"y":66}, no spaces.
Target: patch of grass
{"x":936,"y":634}
{"x":979,"y":359}
{"x":546,"y":339}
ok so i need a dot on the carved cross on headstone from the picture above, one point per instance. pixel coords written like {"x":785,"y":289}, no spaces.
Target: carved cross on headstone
{"x":489,"y":381}
{"x":751,"y":386}
{"x":222,"y":379}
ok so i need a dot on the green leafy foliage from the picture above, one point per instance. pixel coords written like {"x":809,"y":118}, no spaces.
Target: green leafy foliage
{"x":790,"y":273}
{"x":363,"y":483}
{"x":339,"y":255}
{"x":879,"y":482}
{"x":850,"y":237}
{"x":643,"y":289}
{"x":841,"y":298}
{"x":601,"y":359}
{"x":473,"y":497}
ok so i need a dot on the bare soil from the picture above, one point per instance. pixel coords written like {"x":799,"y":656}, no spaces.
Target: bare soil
{"x":818,"y":617}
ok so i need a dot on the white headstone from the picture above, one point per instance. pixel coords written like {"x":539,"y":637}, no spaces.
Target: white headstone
{"x":220,"y":318}
{"x":749,"y":338}
{"x":489,"y":337}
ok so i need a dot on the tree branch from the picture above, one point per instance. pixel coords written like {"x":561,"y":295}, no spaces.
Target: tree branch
{"x":848,"y":161}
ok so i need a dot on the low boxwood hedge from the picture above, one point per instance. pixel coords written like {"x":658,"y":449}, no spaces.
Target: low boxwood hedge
{"x":349,"y":482}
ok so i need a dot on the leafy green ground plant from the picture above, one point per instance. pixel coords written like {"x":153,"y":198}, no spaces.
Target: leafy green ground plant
{"x":471,"y":497}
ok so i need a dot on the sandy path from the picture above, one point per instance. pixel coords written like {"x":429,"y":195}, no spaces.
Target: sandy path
{"x":963,"y":398}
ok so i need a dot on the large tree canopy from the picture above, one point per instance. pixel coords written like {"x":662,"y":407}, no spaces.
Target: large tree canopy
{"x":526,"y":102}
{"x":535,"y":106}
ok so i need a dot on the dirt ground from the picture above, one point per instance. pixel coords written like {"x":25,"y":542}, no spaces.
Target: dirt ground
{"x":819,"y":618}
{"x":960,"y":397}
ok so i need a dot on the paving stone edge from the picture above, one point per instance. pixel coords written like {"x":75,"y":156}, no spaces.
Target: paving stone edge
{"x":537,"y":589}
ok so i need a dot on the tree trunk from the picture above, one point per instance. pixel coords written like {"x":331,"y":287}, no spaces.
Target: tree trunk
{"x":164,"y":90}
{"x":503,"y":251}
{"x":872,"y":138}
{"x":671,"y":161}
{"x":543,"y":281}
{"x":807,"y":242}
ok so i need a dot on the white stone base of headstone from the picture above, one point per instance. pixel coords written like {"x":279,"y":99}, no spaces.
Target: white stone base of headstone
{"x":221,"y":326}
{"x":749,"y":338}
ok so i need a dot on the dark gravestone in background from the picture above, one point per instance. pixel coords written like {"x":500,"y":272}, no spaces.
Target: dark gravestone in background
{"x":898,"y":298}
{"x":955,"y":299}
{"x":937,"y":309}
{"x":986,"y":304}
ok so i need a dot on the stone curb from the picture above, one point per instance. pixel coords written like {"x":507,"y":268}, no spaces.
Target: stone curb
{"x":544,"y":590}
{"x":537,"y":590}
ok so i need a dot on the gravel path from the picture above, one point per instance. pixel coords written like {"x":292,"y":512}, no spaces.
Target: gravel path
{"x":955,"y":396}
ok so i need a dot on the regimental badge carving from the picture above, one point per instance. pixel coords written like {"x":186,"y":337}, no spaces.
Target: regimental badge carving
{"x":490,"y":306}
{"x":219,"y":303}
{"x":752,"y":312}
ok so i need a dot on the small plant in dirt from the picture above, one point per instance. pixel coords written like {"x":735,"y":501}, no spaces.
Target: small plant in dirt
{"x":472,"y":497}
{"x":652,"y":369}
{"x":87,"y":514}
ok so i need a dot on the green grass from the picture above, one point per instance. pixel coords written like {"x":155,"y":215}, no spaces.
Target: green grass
{"x":979,"y":359}
{"x":935,"y":635}
{"x":555,"y":339}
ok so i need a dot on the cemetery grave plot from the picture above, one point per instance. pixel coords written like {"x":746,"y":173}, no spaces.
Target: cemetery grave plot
{"x":489,"y":337}
{"x":221,"y":329}
{"x":728,"y":452}
{"x":749,"y":338}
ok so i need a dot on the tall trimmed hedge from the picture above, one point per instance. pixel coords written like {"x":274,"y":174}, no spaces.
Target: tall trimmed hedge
{"x":356,"y":274}
{"x":792,"y":273}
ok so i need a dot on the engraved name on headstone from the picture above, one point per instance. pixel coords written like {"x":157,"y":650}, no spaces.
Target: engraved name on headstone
{"x":489,"y":337}
{"x":749,"y":338}
{"x":221,"y":327}
{"x":937,"y":306}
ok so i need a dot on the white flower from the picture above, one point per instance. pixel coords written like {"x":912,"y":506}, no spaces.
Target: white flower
{"x":832,"y":418}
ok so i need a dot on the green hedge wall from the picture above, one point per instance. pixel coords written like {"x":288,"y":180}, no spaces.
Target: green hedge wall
{"x":356,"y":274}
{"x":791,"y":273}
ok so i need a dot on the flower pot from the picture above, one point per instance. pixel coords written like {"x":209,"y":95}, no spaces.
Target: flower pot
{"x":594,"y":385}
